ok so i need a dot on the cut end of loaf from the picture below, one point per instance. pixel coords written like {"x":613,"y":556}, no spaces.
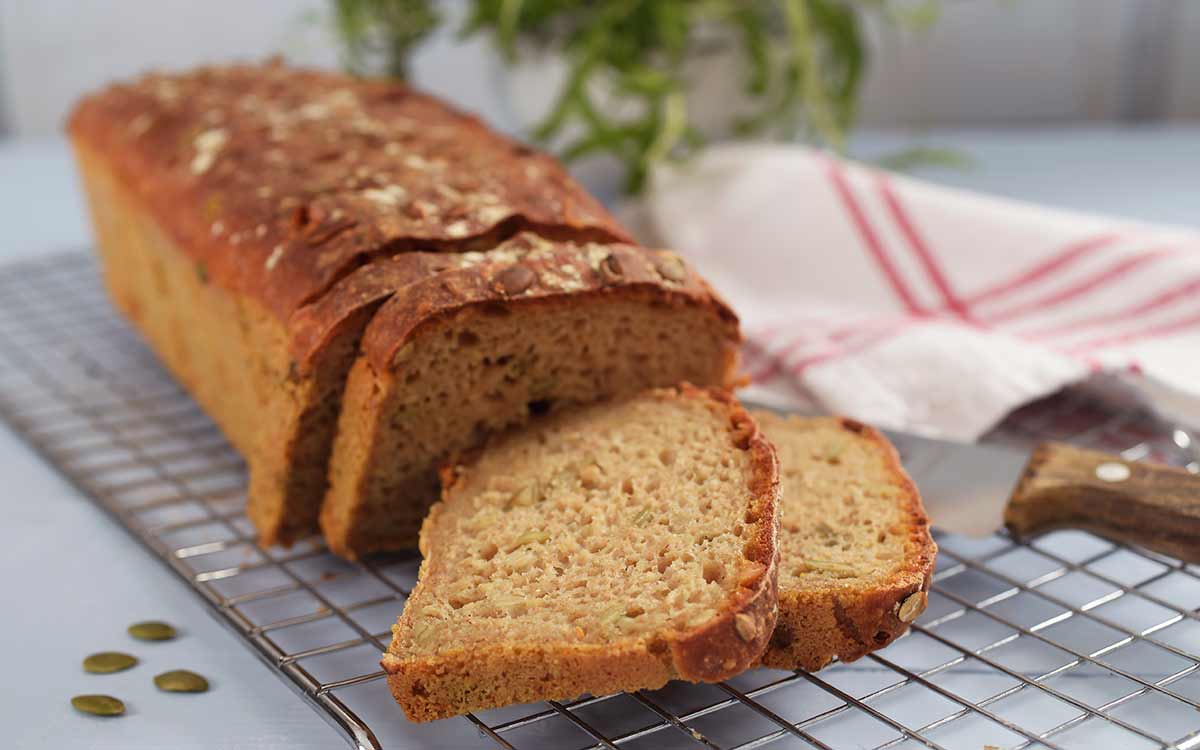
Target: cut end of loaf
{"x":856,"y":552}
{"x":612,"y":548}
{"x":526,"y":329}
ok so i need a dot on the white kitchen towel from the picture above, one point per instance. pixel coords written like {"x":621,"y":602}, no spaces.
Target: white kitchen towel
{"x":924,"y":308}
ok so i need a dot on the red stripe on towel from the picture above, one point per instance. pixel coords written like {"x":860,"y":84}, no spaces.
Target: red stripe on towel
{"x":1183,"y":291}
{"x":1062,"y":259}
{"x":1110,"y":274}
{"x":1160,"y":329}
{"x":920,"y":248}
{"x":869,"y":237}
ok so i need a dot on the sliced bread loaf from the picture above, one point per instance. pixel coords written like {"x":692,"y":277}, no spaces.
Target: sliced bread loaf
{"x":856,"y":554}
{"x":613,"y":547}
{"x":227,"y":199}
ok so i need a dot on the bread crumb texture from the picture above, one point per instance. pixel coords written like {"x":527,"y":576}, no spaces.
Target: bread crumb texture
{"x":613,"y":530}
{"x":856,"y":554}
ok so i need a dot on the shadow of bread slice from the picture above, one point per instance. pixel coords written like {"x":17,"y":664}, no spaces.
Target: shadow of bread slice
{"x":613,"y":547}
{"x":528,"y":327}
{"x":855,"y":551}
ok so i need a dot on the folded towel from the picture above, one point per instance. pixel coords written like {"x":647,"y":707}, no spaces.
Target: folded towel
{"x":924,"y":308}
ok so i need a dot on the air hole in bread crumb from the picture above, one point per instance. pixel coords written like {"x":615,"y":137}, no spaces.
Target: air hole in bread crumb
{"x":488,"y":551}
{"x":467,"y":338}
{"x":539,"y":407}
{"x":627,"y":486}
{"x":882,"y":637}
{"x":666,"y":456}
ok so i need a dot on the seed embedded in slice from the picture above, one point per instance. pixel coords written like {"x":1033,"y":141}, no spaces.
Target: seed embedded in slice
{"x":181,"y":681}
{"x":107,"y":662}
{"x":152,"y":630}
{"x":98,"y":705}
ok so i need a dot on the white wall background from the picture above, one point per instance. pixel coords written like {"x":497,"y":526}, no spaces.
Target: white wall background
{"x":986,"y":62}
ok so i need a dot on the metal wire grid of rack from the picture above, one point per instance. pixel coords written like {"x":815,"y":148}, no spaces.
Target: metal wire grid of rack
{"x":1070,"y":641}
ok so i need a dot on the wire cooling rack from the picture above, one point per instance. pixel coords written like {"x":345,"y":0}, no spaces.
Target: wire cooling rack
{"x":1068,"y":642}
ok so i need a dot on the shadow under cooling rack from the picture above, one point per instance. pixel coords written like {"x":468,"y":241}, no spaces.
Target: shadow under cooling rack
{"x":1068,"y":642}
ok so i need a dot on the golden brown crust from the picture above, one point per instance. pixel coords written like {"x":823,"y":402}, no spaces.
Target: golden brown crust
{"x":458,"y":681}
{"x":734,"y":641}
{"x":816,"y":626}
{"x":538,"y":269}
{"x":279,"y":181}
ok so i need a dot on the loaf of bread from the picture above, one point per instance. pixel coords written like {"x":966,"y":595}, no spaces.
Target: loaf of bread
{"x":612,"y":547}
{"x":254,"y":221}
{"x":856,"y":556}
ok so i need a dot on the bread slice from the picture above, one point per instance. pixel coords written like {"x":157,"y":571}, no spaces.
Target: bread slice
{"x":613,"y":547}
{"x":529,"y":327}
{"x":856,"y":554}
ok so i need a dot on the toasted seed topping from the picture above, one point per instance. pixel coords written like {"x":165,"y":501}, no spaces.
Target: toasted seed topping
{"x":98,"y":705}
{"x":612,"y":616}
{"x":515,"y":279}
{"x":747,"y":628}
{"x":107,"y":662}
{"x":913,"y":606}
{"x":610,"y":268}
{"x":670,"y":267}
{"x":531,"y":536}
{"x":833,"y":567}
{"x":527,"y":495}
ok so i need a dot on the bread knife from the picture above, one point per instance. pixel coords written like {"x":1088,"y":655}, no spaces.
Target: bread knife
{"x":974,"y":489}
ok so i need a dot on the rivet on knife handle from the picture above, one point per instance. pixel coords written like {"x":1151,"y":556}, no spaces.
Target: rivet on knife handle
{"x":1153,"y":506}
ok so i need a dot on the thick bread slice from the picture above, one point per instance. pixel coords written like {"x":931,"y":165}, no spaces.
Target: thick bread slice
{"x":856,"y":554}
{"x":613,"y":547}
{"x":529,"y":327}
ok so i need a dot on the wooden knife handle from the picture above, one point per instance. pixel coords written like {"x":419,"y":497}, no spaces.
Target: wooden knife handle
{"x":1150,"y":505}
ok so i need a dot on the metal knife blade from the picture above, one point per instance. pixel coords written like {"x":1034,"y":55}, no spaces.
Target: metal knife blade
{"x":964,"y":486}
{"x":978,"y":489}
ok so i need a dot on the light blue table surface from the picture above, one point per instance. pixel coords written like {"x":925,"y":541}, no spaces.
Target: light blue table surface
{"x":72,"y":580}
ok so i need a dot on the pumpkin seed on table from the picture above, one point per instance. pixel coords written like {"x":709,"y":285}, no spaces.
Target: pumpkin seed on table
{"x":151,"y":630}
{"x":181,"y":681}
{"x":107,"y":662}
{"x":98,"y":705}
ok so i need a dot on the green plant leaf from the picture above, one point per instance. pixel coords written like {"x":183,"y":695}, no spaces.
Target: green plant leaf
{"x":802,"y":63}
{"x":913,"y":157}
